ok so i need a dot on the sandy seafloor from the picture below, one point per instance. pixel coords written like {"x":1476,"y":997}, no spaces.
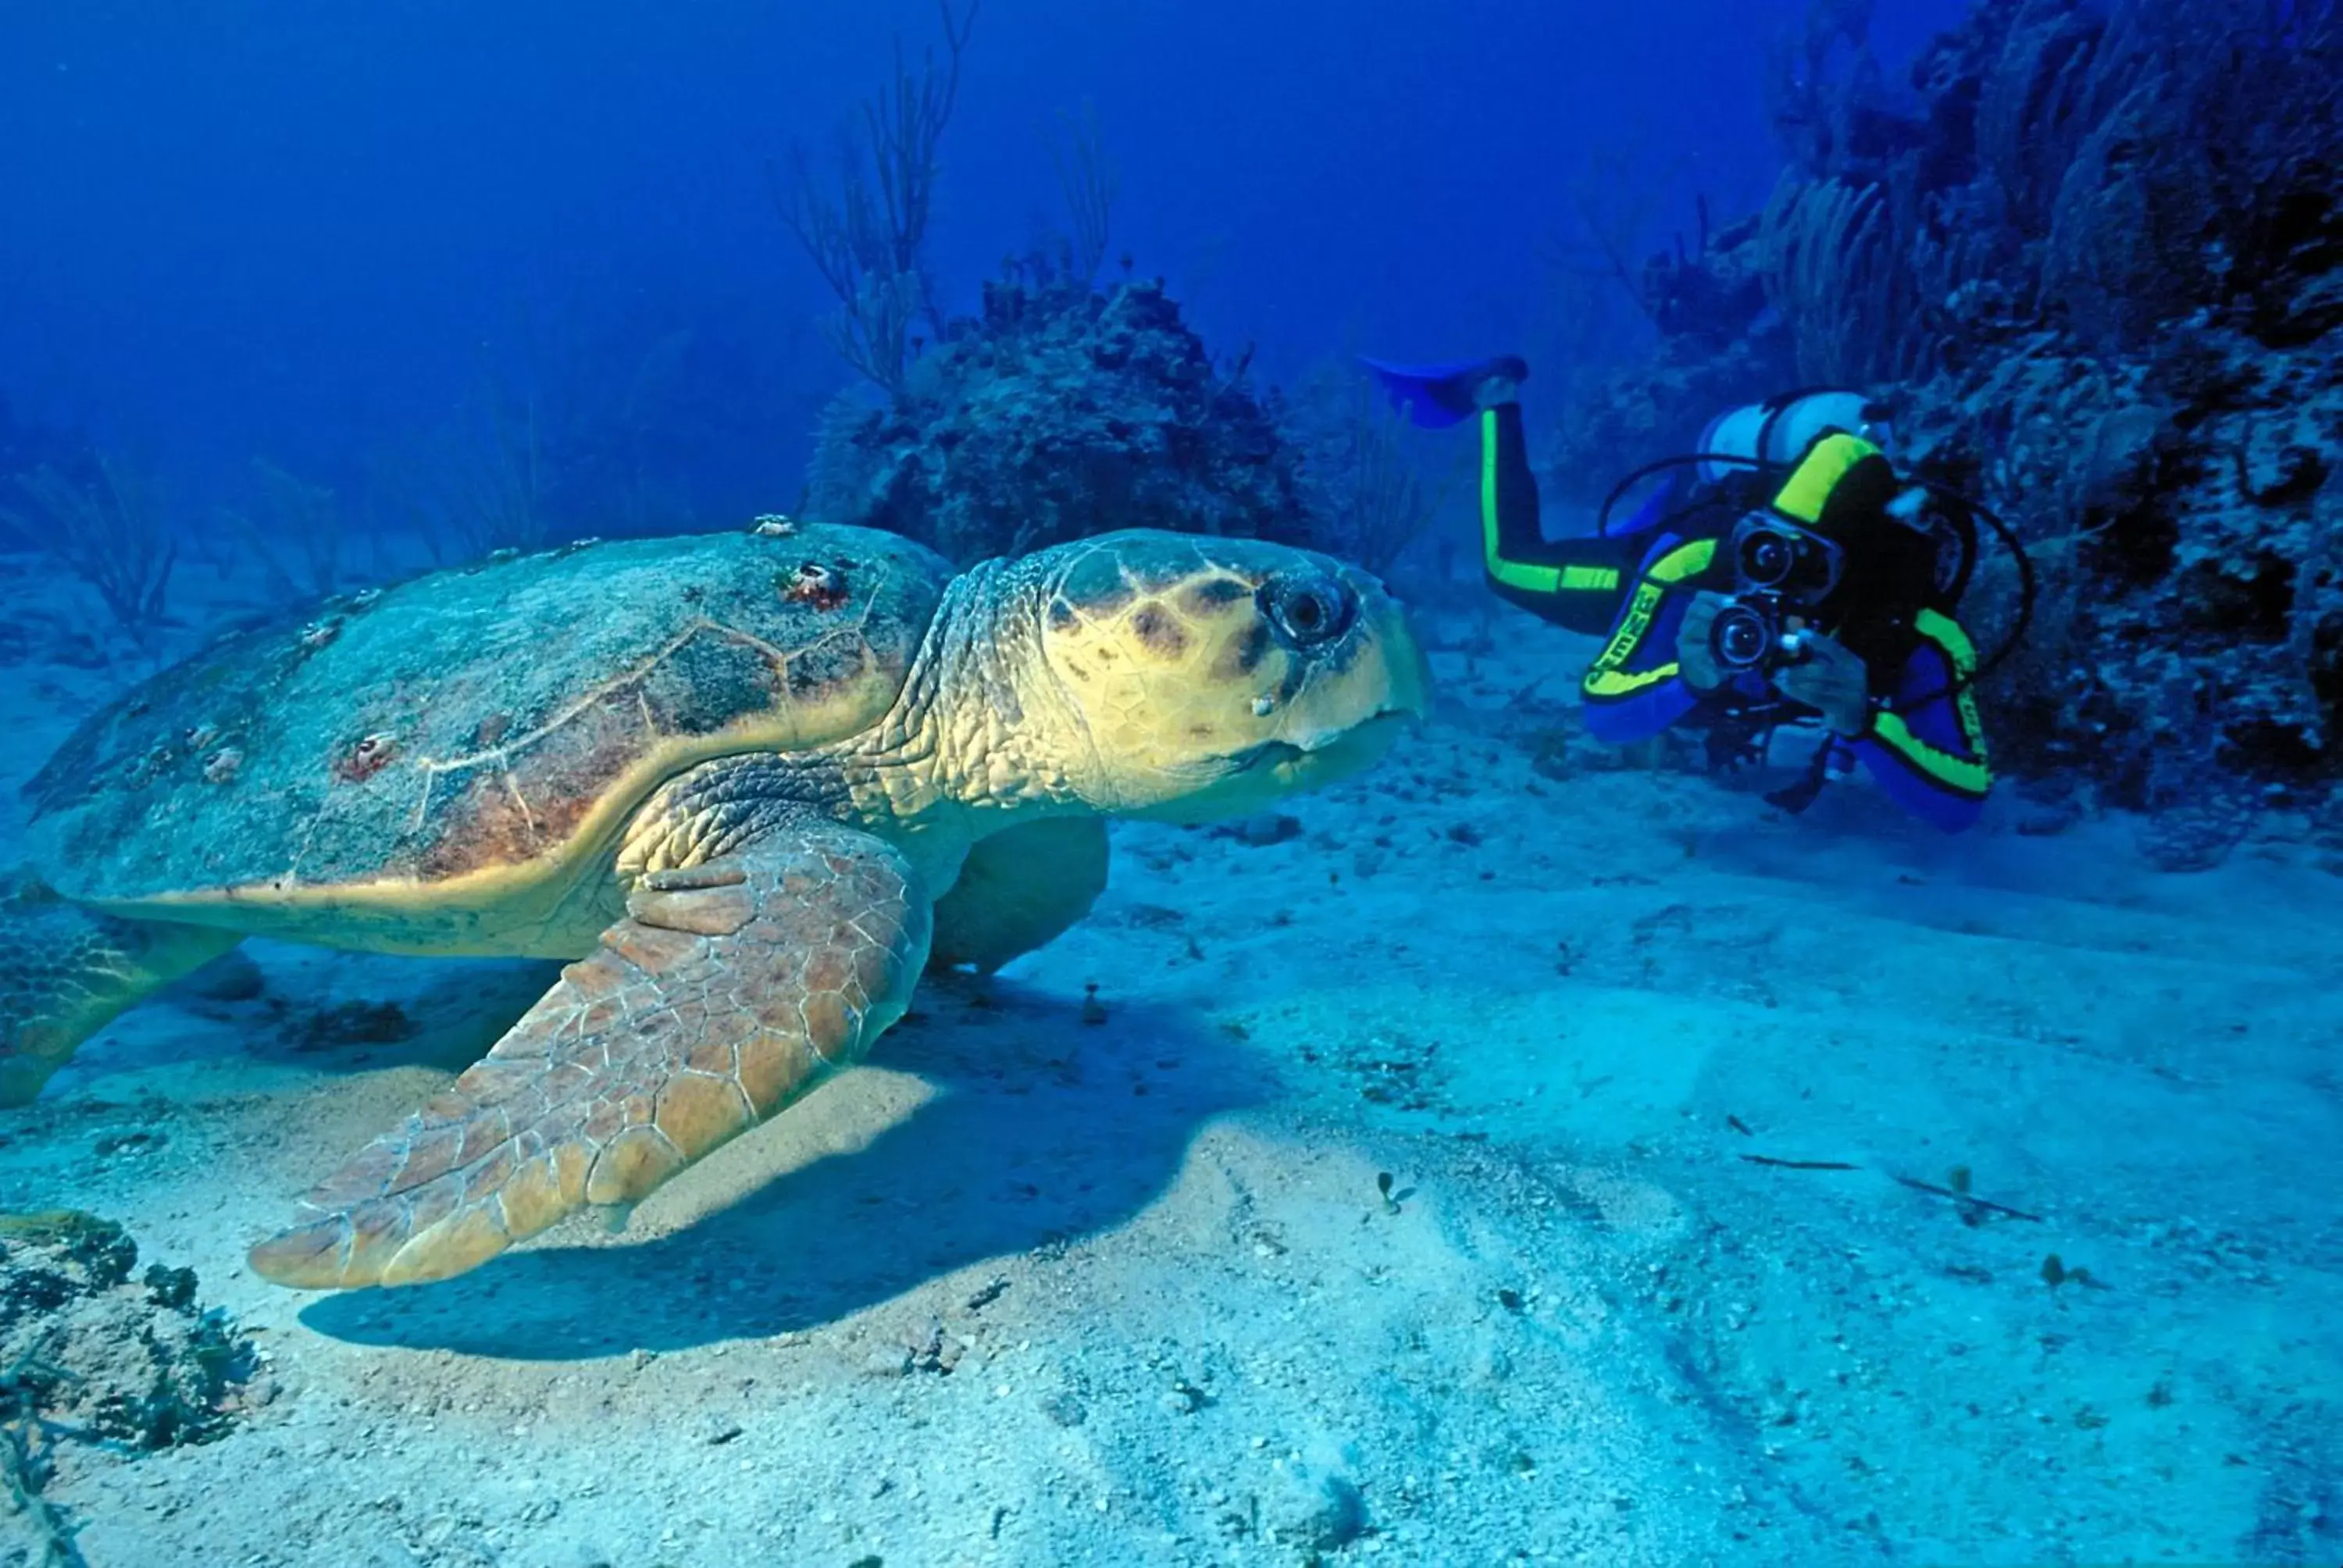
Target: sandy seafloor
{"x":1182,"y":1323}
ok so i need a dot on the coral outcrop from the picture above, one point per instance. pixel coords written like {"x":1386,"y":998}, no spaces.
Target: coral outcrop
{"x":92,"y":1351}
{"x":1058,"y":411}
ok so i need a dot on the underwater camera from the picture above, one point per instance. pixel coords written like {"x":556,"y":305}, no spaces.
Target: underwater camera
{"x":1772,"y":556}
{"x":1778,"y":567}
{"x":1749,"y":634}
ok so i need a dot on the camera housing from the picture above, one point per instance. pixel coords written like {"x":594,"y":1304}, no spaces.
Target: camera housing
{"x":1779,"y":570}
{"x":1748,"y":634}
{"x":1771,"y":555}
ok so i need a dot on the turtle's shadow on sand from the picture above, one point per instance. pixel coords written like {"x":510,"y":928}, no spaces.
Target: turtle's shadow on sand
{"x":1041,"y":1129}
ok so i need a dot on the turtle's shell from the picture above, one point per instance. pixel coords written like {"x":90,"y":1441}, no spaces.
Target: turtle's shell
{"x":472,"y":740}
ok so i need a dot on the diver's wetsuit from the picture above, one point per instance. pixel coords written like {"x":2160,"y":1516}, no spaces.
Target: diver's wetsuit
{"x":1925,"y":743}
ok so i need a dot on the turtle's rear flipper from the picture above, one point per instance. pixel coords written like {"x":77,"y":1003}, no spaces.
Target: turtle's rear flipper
{"x":729,"y":991}
{"x":66,"y":972}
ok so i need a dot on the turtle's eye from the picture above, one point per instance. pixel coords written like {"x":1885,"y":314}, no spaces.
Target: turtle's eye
{"x":1306,"y":609}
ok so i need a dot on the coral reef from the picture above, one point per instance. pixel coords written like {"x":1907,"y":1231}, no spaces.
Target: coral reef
{"x":92,"y":1352}
{"x":85,"y":1347}
{"x":2095,"y":259}
{"x":1061,"y":411}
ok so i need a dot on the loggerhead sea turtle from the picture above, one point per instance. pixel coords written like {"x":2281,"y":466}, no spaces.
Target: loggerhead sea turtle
{"x":752,"y":784}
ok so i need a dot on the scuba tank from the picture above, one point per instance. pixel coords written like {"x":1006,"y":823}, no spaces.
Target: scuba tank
{"x":1778,"y":431}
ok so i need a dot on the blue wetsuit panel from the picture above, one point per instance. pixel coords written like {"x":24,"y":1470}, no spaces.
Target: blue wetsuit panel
{"x":1936,"y":723}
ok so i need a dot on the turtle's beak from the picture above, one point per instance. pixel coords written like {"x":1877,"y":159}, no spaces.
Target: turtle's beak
{"x":1397,"y":684}
{"x":1411,"y":680}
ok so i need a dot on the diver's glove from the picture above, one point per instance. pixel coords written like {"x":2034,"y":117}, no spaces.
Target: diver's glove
{"x":1696,"y":644}
{"x":1831,"y":681}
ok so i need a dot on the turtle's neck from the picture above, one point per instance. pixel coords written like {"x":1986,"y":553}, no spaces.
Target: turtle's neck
{"x":981,"y":732}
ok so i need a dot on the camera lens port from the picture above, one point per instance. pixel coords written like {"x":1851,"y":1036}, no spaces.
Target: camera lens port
{"x":1767,"y":558}
{"x":1740,"y":638}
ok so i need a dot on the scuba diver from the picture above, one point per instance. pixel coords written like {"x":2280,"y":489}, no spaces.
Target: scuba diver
{"x":1784,"y":573}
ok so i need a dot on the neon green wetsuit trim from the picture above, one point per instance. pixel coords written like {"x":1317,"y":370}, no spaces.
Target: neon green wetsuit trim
{"x":1521,"y":576}
{"x":1603,"y":677}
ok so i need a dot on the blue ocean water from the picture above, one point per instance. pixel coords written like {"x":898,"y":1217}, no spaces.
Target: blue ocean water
{"x":1369,"y":1018}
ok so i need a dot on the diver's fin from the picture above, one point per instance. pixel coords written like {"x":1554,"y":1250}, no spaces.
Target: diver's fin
{"x":1438,"y":396}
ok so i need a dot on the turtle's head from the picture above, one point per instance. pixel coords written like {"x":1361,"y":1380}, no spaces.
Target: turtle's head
{"x":1208,"y":676}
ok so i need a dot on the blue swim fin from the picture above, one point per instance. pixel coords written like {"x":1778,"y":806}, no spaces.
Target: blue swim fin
{"x":1438,"y":396}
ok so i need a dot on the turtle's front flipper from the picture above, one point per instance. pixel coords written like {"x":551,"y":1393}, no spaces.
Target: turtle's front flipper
{"x":729,"y":991}
{"x":66,"y":972}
